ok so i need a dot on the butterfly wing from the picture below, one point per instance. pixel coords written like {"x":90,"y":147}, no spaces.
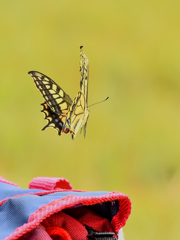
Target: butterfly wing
{"x":56,"y":104}
{"x":84,"y":70}
{"x":54,"y":120}
{"x":78,"y":113}
{"x":55,"y":97}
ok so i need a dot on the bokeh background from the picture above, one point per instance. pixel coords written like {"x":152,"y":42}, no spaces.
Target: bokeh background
{"x":133,"y":139}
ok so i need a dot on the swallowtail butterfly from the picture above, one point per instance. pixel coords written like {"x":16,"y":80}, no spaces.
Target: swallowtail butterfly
{"x":62,"y":113}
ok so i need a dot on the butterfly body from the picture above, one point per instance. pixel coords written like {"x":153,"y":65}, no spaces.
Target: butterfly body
{"x":61,"y":112}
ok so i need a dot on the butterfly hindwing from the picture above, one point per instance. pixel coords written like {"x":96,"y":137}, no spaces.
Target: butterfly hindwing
{"x":54,"y":120}
{"x":77,"y":115}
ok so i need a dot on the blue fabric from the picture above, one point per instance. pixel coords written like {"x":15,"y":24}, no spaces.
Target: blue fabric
{"x":16,"y":211}
{"x":7,"y":190}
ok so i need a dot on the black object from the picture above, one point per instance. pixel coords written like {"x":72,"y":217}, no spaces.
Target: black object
{"x":95,"y":235}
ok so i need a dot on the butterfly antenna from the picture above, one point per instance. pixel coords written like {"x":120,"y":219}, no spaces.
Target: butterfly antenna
{"x":99,"y":102}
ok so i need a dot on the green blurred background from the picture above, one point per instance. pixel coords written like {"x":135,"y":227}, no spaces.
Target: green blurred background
{"x":133,"y":139}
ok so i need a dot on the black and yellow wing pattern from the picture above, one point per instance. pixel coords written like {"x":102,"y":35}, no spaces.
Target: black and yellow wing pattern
{"x":62,"y":113}
{"x":57,"y":102}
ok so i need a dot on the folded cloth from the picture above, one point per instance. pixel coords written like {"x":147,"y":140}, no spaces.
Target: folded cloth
{"x":51,"y":209}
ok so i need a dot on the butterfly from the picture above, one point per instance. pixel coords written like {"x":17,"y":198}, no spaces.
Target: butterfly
{"x":61,"y":112}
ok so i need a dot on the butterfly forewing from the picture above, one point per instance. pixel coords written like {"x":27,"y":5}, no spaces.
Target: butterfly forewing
{"x":84,"y":70}
{"x":78,"y":112}
{"x":55,"y":97}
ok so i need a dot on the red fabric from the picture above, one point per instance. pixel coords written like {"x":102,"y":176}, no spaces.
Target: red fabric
{"x":70,"y":201}
{"x":70,"y":224}
{"x":36,"y":234}
{"x":62,"y":226}
{"x":58,"y":232}
{"x":45,"y":183}
{"x":73,"y":221}
{"x":123,"y":214}
{"x":86,"y":216}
